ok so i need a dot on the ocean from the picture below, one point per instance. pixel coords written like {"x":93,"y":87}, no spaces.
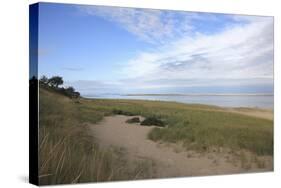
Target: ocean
{"x":223,"y":100}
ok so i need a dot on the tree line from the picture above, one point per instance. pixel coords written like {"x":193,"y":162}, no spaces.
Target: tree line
{"x":56,"y":83}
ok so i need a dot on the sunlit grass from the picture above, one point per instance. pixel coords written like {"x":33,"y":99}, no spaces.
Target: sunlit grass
{"x":198,"y":126}
{"x":67,"y":151}
{"x":69,"y":154}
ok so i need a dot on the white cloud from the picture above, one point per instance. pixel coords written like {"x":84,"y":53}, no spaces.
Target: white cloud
{"x":240,"y":52}
{"x":150,"y":25}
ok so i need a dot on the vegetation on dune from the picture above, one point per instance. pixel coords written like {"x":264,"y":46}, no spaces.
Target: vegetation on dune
{"x":133,"y":120}
{"x":149,"y":121}
{"x":69,"y":154}
{"x":201,"y":130}
{"x":54,"y":83}
{"x":198,"y":127}
{"x":122,"y":112}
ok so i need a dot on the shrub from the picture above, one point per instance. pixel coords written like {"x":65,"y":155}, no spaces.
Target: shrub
{"x":133,"y":120}
{"x":149,"y":121}
{"x":121,"y":112}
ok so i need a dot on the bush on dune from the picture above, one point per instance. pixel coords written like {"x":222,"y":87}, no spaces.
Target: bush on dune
{"x":133,"y":120}
{"x":54,"y":84}
{"x":121,"y":112}
{"x":150,"y":121}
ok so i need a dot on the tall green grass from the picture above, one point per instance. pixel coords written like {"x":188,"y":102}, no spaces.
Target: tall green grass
{"x":69,"y":154}
{"x":199,"y":127}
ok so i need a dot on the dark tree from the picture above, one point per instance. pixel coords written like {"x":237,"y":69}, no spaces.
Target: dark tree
{"x":76,"y":94}
{"x":44,"y":80}
{"x":70,"y":90}
{"x":55,"y":81}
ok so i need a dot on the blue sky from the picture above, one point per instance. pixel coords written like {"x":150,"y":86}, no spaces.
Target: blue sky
{"x":99,"y":49}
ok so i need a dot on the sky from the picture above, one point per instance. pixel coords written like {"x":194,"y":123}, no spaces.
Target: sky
{"x":103,"y":50}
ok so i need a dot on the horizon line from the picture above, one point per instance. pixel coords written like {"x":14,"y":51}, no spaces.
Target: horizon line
{"x":185,"y":94}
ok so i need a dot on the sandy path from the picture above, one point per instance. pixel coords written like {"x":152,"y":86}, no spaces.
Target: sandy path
{"x":171,"y":160}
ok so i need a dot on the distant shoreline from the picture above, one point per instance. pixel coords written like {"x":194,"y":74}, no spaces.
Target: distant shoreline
{"x":257,"y":100}
{"x":191,"y":103}
{"x":205,"y":94}
{"x":260,"y":112}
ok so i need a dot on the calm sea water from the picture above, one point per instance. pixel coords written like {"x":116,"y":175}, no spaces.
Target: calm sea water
{"x":260,"y":101}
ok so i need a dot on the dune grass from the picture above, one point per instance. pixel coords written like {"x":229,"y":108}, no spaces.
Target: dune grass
{"x":199,"y":127}
{"x":69,"y":154}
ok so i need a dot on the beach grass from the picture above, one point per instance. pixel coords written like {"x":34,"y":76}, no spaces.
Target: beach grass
{"x":199,"y":127}
{"x":69,"y":154}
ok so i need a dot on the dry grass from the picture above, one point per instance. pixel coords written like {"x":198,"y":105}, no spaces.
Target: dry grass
{"x":199,"y":127}
{"x":68,"y":154}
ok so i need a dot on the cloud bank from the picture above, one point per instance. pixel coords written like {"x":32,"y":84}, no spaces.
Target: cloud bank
{"x":189,"y":51}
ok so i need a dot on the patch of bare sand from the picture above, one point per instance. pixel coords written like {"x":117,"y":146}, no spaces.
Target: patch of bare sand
{"x":171,"y":160}
{"x":255,"y":112}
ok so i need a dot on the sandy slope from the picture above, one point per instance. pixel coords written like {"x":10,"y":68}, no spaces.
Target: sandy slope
{"x":255,"y":112}
{"x":171,"y":160}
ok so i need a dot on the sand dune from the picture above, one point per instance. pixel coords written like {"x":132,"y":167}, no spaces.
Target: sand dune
{"x":170,"y":159}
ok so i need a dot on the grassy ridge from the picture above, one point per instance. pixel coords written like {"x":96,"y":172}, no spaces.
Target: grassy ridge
{"x":68,"y":153}
{"x":199,"y":127}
